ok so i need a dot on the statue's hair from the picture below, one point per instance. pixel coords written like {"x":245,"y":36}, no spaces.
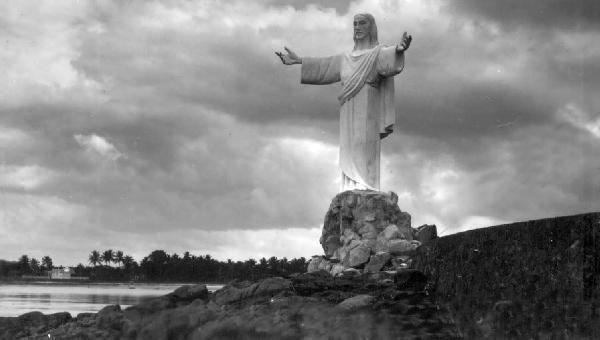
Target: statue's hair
{"x":373,"y":41}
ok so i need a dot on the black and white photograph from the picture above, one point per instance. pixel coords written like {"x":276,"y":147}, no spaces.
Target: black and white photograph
{"x":310,"y":169}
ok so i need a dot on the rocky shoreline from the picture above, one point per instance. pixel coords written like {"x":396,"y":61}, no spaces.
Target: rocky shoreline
{"x":387,"y":305}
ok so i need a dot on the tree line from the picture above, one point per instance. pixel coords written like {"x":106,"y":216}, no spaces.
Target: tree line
{"x":159,"y":266}
{"x":25,"y":266}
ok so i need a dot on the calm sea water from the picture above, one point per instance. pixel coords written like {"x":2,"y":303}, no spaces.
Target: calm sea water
{"x":52,"y":297}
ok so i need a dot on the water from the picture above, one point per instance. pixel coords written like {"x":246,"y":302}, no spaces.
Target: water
{"x":52,"y":297}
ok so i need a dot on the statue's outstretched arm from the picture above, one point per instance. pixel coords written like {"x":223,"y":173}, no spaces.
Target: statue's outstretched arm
{"x":405,"y":44}
{"x":289,"y":58}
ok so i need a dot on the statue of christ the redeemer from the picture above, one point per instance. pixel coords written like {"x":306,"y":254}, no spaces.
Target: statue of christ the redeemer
{"x":367,"y":112}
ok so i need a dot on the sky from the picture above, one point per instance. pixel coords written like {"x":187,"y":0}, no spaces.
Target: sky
{"x":143,"y":125}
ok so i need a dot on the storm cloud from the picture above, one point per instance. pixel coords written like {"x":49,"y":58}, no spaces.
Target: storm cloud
{"x":145,"y":125}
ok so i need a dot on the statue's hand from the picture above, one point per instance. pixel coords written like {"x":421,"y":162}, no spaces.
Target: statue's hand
{"x":290,"y":58}
{"x":405,"y":44}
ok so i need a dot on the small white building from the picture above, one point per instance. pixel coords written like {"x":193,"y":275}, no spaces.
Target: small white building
{"x":60,"y":274}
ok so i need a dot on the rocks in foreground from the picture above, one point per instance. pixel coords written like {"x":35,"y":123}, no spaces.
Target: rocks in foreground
{"x":314,"y":305}
{"x":31,"y":323}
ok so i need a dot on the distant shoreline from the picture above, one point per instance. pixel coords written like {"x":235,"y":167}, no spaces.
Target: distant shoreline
{"x":67,"y":282}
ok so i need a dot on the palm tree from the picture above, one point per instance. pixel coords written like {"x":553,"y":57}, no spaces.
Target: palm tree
{"x":128,"y":262}
{"x":47,"y":262}
{"x":273,"y":265}
{"x":34,"y":264}
{"x":95,"y":258}
{"x":80,"y":270}
{"x":107,"y":256}
{"x":118,"y":257}
{"x":24,"y":264}
{"x":24,"y":260}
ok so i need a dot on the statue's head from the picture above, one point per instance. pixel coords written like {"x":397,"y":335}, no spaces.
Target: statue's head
{"x":365,"y":28}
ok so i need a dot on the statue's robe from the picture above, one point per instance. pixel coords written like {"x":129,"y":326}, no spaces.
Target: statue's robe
{"x":367,"y":112}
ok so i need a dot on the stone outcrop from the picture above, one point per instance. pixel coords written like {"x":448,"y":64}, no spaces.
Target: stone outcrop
{"x":356,"y":302}
{"x":31,"y":323}
{"x":246,"y":290}
{"x":367,"y":231}
{"x":304,"y":306}
{"x":426,"y":233}
{"x":377,"y":261}
{"x":359,"y":215}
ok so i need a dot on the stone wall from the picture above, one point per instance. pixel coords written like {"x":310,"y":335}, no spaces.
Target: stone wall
{"x":534,"y":279}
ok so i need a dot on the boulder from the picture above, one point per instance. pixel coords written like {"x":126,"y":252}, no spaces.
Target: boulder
{"x":384,"y":244}
{"x":148,"y":307}
{"x":348,"y":236}
{"x":367,"y":231}
{"x":84,"y":316}
{"x":390,"y":232}
{"x":394,"y":232}
{"x":357,"y":256}
{"x":245,"y":291}
{"x":110,"y":317}
{"x":350,"y":272}
{"x":330,"y":243}
{"x":191,"y":292}
{"x":377,"y":261}
{"x":28,"y":324}
{"x":405,"y":232}
{"x":324,"y":265}
{"x":402,"y":247}
{"x":426,"y":233}
{"x":337,"y":269}
{"x":356,"y":302}
{"x":313,"y":264}
{"x":308,"y":283}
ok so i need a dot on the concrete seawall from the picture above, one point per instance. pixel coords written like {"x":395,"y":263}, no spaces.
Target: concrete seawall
{"x":530,"y":279}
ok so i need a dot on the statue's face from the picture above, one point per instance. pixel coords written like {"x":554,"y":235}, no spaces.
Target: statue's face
{"x":362,"y":27}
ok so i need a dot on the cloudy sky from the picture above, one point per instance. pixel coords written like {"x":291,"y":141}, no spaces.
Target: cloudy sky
{"x":139,"y":125}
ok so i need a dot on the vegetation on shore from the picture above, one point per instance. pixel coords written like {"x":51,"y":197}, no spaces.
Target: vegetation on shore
{"x":158,"y":266}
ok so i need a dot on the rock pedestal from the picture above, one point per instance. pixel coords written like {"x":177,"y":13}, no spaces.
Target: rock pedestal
{"x":365,"y":230}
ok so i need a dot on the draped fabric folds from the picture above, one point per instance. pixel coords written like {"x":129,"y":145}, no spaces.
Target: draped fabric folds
{"x":361,"y":66}
{"x":367,"y":112}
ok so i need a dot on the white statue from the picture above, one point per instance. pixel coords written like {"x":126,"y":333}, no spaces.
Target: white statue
{"x":367,"y":112}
